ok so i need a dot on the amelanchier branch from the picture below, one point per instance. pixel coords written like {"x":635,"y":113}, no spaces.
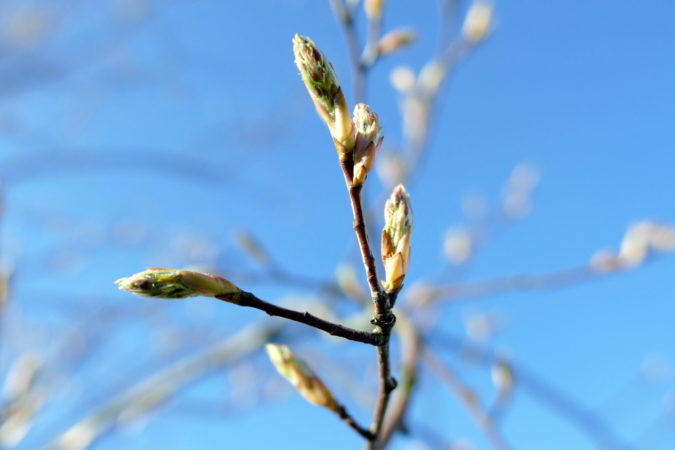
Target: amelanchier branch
{"x":178,"y":284}
{"x":468,"y":398}
{"x":357,"y":143}
{"x":309,"y":385}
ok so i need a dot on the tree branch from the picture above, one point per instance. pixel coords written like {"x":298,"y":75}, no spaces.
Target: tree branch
{"x":467,"y":396}
{"x":247,"y":299}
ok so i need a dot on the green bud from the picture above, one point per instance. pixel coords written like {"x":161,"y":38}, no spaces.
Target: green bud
{"x":324,"y":89}
{"x":367,"y":142}
{"x":176,"y":284}
{"x":301,"y":376}
{"x":398,"y":222}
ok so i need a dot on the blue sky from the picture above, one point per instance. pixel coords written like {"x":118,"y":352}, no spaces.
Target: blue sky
{"x":582,"y":90}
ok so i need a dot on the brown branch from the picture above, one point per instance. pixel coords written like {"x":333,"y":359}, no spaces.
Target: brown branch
{"x":383,"y":318}
{"x":247,"y":299}
{"x":362,"y":235}
{"x":410,"y":342}
{"x":349,"y":420}
{"x":468,"y":398}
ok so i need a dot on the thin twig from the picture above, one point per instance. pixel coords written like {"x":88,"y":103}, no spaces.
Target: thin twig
{"x":512,"y":283}
{"x":410,"y":343}
{"x":467,"y":396}
{"x":557,"y":400}
{"x":383,"y":318}
{"x":345,"y":18}
{"x":247,"y":299}
{"x":154,"y":391}
{"x":349,"y":420}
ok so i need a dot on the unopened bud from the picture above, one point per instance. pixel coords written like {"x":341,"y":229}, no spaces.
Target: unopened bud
{"x":176,"y":284}
{"x":395,"y":40}
{"x":502,"y":376}
{"x":478,"y":22}
{"x":367,"y":142}
{"x":301,"y":376}
{"x":324,"y":89}
{"x":373,"y":8}
{"x":458,"y":245}
{"x":398,"y":222}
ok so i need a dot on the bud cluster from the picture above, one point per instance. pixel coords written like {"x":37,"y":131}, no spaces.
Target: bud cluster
{"x":358,"y":137}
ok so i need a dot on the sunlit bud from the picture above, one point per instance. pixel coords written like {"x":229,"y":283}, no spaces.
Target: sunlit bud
{"x":367,"y":142}
{"x":395,"y":40}
{"x":458,"y":245}
{"x":431,"y":76}
{"x":176,"y":284}
{"x":324,"y":89}
{"x":478,"y":22}
{"x":502,"y":376}
{"x":373,"y":8}
{"x":402,"y":78}
{"x":21,"y":376}
{"x":604,"y":261}
{"x":398,"y":222}
{"x":635,"y":245}
{"x":301,"y":376}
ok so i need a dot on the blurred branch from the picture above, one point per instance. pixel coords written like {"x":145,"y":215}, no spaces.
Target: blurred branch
{"x":153,"y":392}
{"x":582,"y":417}
{"x":507,"y":284}
{"x":57,"y":162}
{"x":467,"y":396}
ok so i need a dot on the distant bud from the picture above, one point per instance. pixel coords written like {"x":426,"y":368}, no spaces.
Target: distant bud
{"x":373,"y":8}
{"x":635,"y":244}
{"x":301,"y":376}
{"x":395,"y":40}
{"x":402,"y":78}
{"x":324,"y":89}
{"x":604,"y":261}
{"x":458,"y":245}
{"x":478,"y":22}
{"x":398,"y":222}
{"x":176,"y":284}
{"x":367,"y":142}
{"x":502,"y":376}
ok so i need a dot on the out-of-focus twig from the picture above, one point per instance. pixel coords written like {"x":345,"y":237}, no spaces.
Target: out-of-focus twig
{"x":467,"y":396}
{"x":457,"y":292}
{"x":555,"y":399}
{"x":153,"y":392}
